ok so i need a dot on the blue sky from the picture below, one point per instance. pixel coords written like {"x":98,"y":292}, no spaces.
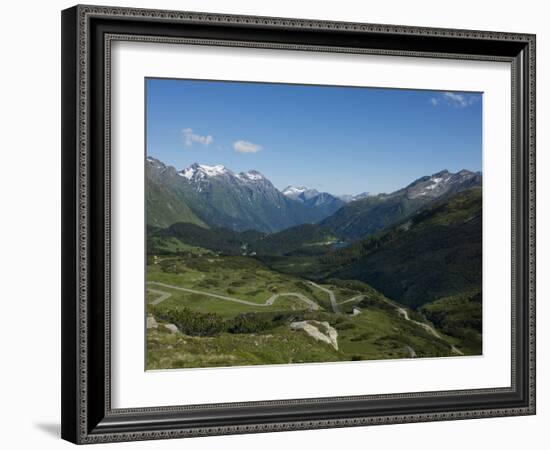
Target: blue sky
{"x":342,"y":140}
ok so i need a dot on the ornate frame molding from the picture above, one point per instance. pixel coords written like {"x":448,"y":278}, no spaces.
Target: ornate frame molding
{"x":80,"y":418}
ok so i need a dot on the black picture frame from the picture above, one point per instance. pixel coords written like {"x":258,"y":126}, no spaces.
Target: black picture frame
{"x":87,"y":416}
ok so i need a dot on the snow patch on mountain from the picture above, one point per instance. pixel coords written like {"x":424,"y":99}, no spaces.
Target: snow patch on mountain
{"x":441,"y":183}
{"x":201,"y":171}
{"x":155,"y":162}
{"x":291,"y":190}
{"x":347,"y":198}
{"x":300,"y":194}
{"x":251,"y":175}
{"x":434,"y":184}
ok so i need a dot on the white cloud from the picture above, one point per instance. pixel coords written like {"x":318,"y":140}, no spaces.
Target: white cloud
{"x":189,"y":138}
{"x":246,"y":147}
{"x":455,"y":100}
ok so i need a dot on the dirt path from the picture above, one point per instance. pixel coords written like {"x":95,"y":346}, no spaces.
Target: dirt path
{"x":403,"y":312}
{"x":162,"y":296}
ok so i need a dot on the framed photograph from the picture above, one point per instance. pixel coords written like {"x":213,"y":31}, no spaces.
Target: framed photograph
{"x":279,"y":224}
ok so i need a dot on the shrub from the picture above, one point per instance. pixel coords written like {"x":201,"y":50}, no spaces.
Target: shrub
{"x":191,"y":322}
{"x":344,"y":326}
{"x":249,"y":323}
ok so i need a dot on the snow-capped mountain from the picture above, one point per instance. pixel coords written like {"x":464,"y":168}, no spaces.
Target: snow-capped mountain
{"x":363,"y":217}
{"x":441,"y":183}
{"x":201,"y":175}
{"x":202,"y":171}
{"x":303,"y":194}
{"x":197,"y":172}
{"x":240,"y":201}
{"x":346,"y":198}
{"x":218,"y":197}
{"x":324,"y":201}
{"x":300,"y":194}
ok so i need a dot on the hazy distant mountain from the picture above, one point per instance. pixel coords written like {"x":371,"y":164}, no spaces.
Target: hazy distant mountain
{"x":346,"y":198}
{"x":363,"y":217}
{"x":323,"y":202}
{"x":238,"y":201}
{"x":304,"y":194}
{"x":300,"y":194}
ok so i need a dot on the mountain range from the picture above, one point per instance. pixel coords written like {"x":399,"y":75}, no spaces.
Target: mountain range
{"x":419,"y":246}
{"x":325,"y":203}
{"x":218,"y":197}
{"x":370,"y":214}
{"x":215,"y":196}
{"x":430,"y":254}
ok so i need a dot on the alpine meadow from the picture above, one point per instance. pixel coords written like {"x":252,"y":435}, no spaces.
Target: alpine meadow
{"x":307,"y":224}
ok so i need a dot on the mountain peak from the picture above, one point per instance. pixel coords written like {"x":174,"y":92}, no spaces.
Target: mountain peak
{"x":440,"y":173}
{"x":155,"y":162}
{"x":300,"y":193}
{"x":251,"y":175}
{"x":200,"y":171}
{"x":441,"y":183}
{"x":348,"y":198}
{"x":294,"y":190}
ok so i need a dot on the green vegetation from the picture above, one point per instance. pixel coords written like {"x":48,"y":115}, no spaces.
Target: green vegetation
{"x":431,"y":254}
{"x":191,"y":322}
{"x":164,"y":208}
{"x":221,"y":240}
{"x":166,"y":350}
{"x":367,"y":216}
{"x":215,"y":331}
{"x":227,"y":201}
{"x":460,"y":316}
{"x":303,"y":239}
{"x":233,"y":295}
{"x":437,"y":254}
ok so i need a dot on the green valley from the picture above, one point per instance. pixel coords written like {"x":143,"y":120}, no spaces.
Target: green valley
{"x":211,"y":310}
{"x":254,"y":277}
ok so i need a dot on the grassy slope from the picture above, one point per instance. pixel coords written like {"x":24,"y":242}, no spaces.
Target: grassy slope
{"x":302,"y":239}
{"x":233,"y":276}
{"x":434,"y":253}
{"x":164,"y":209}
{"x":379,"y":332}
{"x":370,"y":215}
{"x":458,"y":315}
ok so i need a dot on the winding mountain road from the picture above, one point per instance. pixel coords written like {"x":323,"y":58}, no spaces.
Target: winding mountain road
{"x":270,"y":301}
{"x":404,"y":313}
{"x":331,"y":296}
{"x":312,"y":304}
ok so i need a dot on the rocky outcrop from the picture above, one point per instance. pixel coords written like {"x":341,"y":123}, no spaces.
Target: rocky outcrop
{"x":171,"y":327}
{"x":152,"y":323}
{"x":320,"y":331}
